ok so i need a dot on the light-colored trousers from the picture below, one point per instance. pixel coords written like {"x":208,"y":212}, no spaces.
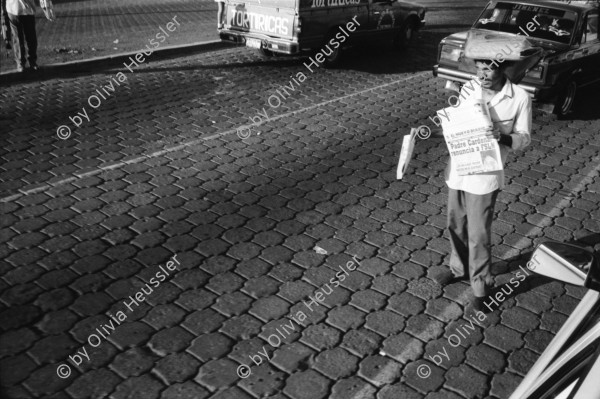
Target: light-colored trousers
{"x":470,"y":227}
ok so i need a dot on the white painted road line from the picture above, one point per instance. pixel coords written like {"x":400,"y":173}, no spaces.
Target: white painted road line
{"x":178,"y":147}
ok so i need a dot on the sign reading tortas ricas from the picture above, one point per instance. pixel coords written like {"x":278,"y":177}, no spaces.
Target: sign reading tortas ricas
{"x":262,"y":21}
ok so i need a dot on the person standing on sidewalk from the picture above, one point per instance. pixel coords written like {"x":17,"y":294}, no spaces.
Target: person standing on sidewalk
{"x":221,"y":5}
{"x":21,"y":14}
{"x":5,"y":25}
{"x":471,"y":198}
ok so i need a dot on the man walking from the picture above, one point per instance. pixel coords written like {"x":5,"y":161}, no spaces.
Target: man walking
{"x":21,"y":14}
{"x":471,"y":198}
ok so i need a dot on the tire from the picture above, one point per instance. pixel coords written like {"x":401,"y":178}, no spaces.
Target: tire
{"x":566,"y":100}
{"x":333,"y":60}
{"x":265,"y":53}
{"x":405,"y":37}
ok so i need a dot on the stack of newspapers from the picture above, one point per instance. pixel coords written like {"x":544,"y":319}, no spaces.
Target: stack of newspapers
{"x":408,"y":146}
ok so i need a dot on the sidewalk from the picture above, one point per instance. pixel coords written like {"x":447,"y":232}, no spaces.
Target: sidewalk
{"x":89,"y":29}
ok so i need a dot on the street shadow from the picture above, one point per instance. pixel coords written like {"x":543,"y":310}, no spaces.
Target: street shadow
{"x":383,"y":58}
{"x":376,"y":59}
{"x":115,"y":65}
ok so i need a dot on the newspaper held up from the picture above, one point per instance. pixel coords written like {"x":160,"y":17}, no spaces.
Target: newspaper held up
{"x":408,"y":145}
{"x":465,"y":127}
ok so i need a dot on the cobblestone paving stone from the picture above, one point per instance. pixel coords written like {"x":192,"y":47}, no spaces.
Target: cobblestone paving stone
{"x":159,"y":171}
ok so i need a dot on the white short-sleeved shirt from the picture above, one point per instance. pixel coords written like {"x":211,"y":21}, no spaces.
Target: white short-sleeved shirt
{"x":511,"y":110}
{"x":20,"y":7}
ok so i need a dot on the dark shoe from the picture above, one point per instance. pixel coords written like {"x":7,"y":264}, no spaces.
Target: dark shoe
{"x":479,"y":304}
{"x":445,"y":277}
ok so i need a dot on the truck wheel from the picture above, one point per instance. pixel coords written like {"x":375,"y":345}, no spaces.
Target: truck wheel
{"x":332,"y":60}
{"x":405,"y":36}
{"x":566,"y":99}
{"x":265,"y":53}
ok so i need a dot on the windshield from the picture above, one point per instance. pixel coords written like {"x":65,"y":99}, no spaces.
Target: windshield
{"x":535,"y":21}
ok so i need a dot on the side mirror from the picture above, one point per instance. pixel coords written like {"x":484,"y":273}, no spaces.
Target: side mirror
{"x":568,"y":263}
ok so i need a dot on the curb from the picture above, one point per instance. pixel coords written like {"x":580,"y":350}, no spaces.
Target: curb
{"x":51,"y":70}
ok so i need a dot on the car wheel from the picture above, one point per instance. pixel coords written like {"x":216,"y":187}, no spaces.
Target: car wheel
{"x":265,"y":53}
{"x":333,"y":59}
{"x":405,"y":36}
{"x":566,"y":99}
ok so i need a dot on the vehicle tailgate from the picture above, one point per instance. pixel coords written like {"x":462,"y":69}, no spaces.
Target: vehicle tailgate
{"x":266,"y":17}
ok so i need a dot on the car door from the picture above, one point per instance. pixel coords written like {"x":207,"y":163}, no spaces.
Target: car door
{"x":321,"y":18}
{"x":568,"y":359}
{"x":588,"y":387}
{"x":382,"y":18}
{"x":590,"y":49}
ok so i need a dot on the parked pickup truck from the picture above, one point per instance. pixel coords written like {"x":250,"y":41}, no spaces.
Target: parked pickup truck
{"x":305,"y":26}
{"x":567,"y":31}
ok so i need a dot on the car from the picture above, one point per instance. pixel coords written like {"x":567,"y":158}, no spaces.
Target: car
{"x":566,"y":32}
{"x":295,"y":27}
{"x":569,"y":367}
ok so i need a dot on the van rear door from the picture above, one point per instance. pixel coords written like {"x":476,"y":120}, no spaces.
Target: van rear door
{"x":274,"y":18}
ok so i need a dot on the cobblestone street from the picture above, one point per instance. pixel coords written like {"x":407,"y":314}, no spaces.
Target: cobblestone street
{"x":156,"y":182}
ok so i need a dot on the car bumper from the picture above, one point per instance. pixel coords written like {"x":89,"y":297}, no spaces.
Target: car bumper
{"x":537,"y":92}
{"x":275,"y":45}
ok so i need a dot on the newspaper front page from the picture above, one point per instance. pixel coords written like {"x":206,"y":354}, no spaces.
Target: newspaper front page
{"x":464,"y":129}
